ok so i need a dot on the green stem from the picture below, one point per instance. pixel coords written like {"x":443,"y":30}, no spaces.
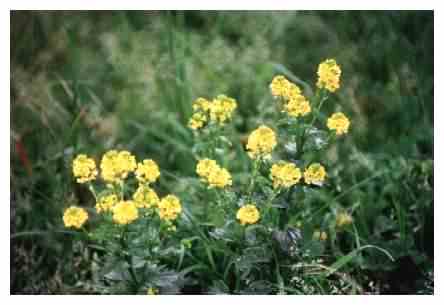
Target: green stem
{"x":253,"y":178}
{"x":122,"y":190}
{"x":128,"y":259}
{"x":268,"y":207}
{"x":313,"y":121}
{"x":93,"y":191}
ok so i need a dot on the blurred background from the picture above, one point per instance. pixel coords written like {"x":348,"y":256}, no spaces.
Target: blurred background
{"x":91,"y":81}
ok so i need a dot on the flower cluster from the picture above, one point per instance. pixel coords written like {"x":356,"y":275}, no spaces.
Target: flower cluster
{"x":116,"y":166}
{"x":84,"y":168}
{"x":339,"y":123}
{"x":210,"y":172}
{"x":329,"y":74}
{"x":315,"y":174}
{"x":217,"y":111}
{"x":147,"y":171}
{"x":248,"y":214}
{"x":75,"y":217}
{"x":169,"y":207}
{"x":125,"y":212}
{"x":295,"y":104}
{"x":145,"y":197}
{"x":261,"y":142}
{"x":106,"y":203}
{"x":221,"y":109}
{"x":284,"y":175}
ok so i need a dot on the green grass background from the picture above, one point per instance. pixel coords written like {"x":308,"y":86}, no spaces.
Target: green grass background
{"x":92,"y":81}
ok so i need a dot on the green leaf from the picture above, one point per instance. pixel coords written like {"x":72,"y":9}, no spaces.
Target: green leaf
{"x":346,"y":259}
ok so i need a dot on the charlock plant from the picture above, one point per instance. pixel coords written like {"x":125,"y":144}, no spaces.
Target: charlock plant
{"x":255,"y":240}
{"x":134,"y":227}
{"x":246,"y":237}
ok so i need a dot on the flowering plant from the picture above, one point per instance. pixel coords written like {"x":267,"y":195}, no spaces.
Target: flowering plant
{"x":134,"y":226}
{"x":241,"y":233}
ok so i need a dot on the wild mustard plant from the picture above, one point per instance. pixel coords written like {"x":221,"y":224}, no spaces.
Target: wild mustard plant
{"x":262,"y":208}
{"x":245,"y":239}
{"x":133,"y":225}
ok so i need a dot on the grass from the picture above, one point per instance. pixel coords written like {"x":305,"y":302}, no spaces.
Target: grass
{"x":88,"y":82}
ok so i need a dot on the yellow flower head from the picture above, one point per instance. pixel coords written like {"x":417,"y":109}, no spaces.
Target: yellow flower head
{"x":205,"y":167}
{"x":221,"y":109}
{"x":338,"y":122}
{"x":145,"y":197}
{"x":75,"y":217}
{"x":84,"y":168}
{"x":329,"y":74}
{"x":293,"y":93}
{"x":320,"y":235}
{"x":152,"y":291}
{"x":147,"y":171}
{"x":297,"y":106}
{"x":116,"y":165}
{"x":279,"y":86}
{"x":125,"y":212}
{"x":343,"y":219}
{"x":285,"y":174}
{"x":261,"y":142}
{"x":169,"y":207}
{"x":106,"y":203}
{"x":219,"y":178}
{"x":248,"y":214}
{"x":315,"y":174}
{"x":201,"y":104}
{"x":197,"y":121}
{"x":211,"y":173}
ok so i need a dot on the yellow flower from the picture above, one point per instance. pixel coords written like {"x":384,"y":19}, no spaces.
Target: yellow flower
{"x":298,"y":106}
{"x":201,"y":104}
{"x":116,"y":165}
{"x":279,"y":86}
{"x":75,"y":217}
{"x":169,"y":207}
{"x":320,"y":235}
{"x":211,"y":173}
{"x":285,"y":174}
{"x":147,"y":171}
{"x":125,"y":212}
{"x":205,"y":167}
{"x":338,"y":122}
{"x":248,"y":214}
{"x":152,"y":291}
{"x":343,"y":219}
{"x":221,"y":109}
{"x":145,"y":197}
{"x":329,"y":74}
{"x":197,"y":121}
{"x":315,"y":174}
{"x":295,"y":104}
{"x":219,"y":178}
{"x":106,"y":203}
{"x":261,"y":142}
{"x":84,"y":168}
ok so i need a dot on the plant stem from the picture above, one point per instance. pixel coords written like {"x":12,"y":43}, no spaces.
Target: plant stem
{"x":313,"y":121}
{"x":128,"y":259}
{"x":122,"y":190}
{"x":253,"y":178}
{"x":93,"y":191}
